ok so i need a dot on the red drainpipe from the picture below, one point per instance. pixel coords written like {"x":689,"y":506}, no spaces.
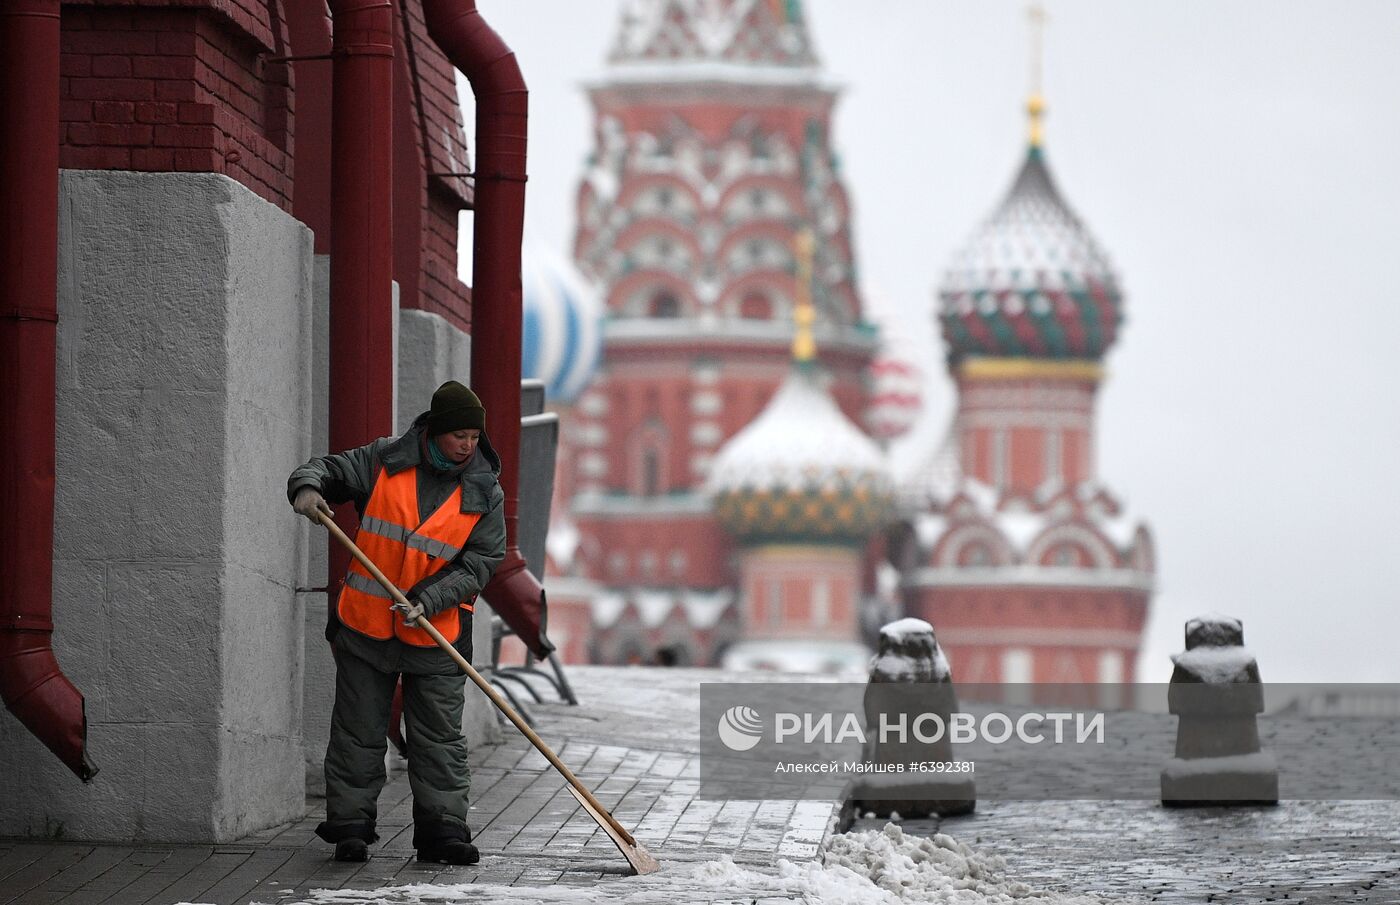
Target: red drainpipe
{"x":362,"y":263}
{"x":502,"y":108}
{"x":309,"y":28}
{"x":31,"y":683}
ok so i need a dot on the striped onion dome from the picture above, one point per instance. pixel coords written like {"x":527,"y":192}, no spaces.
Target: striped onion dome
{"x":801,"y":471}
{"x":896,"y":395}
{"x":1031,"y":282}
{"x":563,"y":324}
{"x":895,"y":379}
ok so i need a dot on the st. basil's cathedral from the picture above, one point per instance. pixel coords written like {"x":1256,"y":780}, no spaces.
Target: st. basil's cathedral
{"x":724,"y":494}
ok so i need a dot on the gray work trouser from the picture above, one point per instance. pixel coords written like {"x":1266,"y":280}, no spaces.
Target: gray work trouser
{"x":437,"y":751}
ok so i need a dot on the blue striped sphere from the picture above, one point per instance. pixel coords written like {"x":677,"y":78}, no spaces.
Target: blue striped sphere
{"x":563,"y":329}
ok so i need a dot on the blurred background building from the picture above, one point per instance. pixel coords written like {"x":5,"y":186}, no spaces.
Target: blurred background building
{"x":1028,"y":567}
{"x":698,"y":512}
{"x":712,"y":152}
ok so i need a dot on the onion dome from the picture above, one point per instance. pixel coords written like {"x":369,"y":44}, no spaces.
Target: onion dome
{"x":896,"y":396}
{"x":801,"y":471}
{"x":894,"y":377}
{"x":1031,"y":282}
{"x":563,"y":330}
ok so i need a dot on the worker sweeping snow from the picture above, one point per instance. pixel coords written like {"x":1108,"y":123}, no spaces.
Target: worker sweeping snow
{"x":431,"y":518}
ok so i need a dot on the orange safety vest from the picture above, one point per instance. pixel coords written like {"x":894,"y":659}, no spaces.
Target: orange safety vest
{"x":406,"y":552}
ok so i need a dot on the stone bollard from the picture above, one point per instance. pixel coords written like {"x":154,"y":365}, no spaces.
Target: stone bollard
{"x":909,"y":676}
{"x":1217,"y":697}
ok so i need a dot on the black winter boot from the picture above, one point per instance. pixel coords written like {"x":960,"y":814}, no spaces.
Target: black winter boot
{"x":351,"y":840}
{"x":444,"y":843}
{"x":450,"y":851}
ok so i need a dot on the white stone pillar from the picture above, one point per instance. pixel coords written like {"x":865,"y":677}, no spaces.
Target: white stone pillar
{"x":183,"y":401}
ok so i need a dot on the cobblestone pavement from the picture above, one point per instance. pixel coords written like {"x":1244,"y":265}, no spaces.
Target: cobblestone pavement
{"x":633,"y":740}
{"x":1137,"y":851}
{"x":1133,"y":849}
{"x":1314,"y":851}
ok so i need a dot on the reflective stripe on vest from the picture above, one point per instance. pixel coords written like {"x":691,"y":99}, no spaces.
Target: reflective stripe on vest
{"x":406,"y":552}
{"x":434,"y":548}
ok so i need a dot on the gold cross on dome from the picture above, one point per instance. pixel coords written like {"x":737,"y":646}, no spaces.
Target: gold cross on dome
{"x":1035,"y":104}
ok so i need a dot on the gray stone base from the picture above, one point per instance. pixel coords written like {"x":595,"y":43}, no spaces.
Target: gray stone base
{"x":479,"y":716}
{"x":318,"y":693}
{"x":914,"y":797}
{"x":1187,"y":784}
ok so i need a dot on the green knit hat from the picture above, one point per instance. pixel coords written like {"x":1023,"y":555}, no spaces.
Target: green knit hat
{"x":455,"y":408}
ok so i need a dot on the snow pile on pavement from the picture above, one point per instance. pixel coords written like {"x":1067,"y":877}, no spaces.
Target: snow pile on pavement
{"x":908,"y":868}
{"x":875,"y":867}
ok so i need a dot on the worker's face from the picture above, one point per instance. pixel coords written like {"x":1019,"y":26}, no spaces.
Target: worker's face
{"x":458,"y":445}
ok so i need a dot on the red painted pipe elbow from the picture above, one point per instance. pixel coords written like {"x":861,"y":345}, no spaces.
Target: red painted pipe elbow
{"x":38,"y":693}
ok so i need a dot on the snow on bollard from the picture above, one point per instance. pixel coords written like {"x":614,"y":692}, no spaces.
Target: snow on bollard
{"x":908,"y":703}
{"x":1217,"y":696}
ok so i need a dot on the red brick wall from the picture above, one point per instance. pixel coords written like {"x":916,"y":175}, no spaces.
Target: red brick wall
{"x":641,"y":550}
{"x":186,"y":86}
{"x":793,"y":574}
{"x":1075,"y":457}
{"x":440,"y":289}
{"x":443,"y":153}
{"x":1020,"y":411}
{"x":446,"y":145}
{"x":178,"y":86}
{"x":1027,"y":459}
{"x":1100,"y":615}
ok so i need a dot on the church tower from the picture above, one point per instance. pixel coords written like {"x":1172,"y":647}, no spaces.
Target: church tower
{"x":803,"y":490}
{"x":712,"y":150}
{"x":1028,"y":567}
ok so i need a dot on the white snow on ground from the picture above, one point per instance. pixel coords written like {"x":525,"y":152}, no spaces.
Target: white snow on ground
{"x":876,"y":867}
{"x":907,"y":868}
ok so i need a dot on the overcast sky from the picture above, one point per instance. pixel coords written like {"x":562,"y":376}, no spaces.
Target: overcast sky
{"x":1237,"y":160}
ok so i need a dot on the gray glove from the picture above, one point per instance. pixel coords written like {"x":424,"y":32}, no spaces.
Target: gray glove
{"x":410,"y":613}
{"x":309,"y":501}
